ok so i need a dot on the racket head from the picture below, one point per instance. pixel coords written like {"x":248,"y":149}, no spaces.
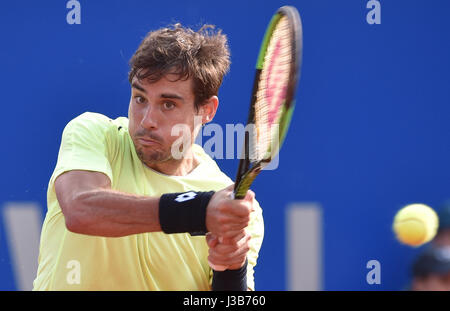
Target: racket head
{"x":273,"y":96}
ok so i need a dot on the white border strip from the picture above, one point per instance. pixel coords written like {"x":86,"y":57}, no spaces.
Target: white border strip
{"x":23,"y":228}
{"x":304,"y":247}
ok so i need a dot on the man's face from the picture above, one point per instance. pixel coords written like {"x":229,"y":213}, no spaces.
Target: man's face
{"x":155,"y":109}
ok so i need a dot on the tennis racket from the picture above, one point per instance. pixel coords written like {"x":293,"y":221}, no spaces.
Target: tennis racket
{"x":273,"y":98}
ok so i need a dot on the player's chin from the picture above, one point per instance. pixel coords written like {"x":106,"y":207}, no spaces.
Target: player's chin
{"x":152,"y":155}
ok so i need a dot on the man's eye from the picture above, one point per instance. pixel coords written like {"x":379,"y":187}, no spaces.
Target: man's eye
{"x":139,"y":99}
{"x":169,"y":105}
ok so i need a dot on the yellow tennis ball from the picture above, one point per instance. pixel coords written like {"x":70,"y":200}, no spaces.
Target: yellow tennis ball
{"x":415,"y":224}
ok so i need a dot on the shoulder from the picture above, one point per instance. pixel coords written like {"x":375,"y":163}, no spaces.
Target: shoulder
{"x":90,"y":121}
{"x":95,"y":124}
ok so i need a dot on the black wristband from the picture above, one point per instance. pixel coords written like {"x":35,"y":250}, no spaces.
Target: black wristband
{"x":230,"y":280}
{"x":184,"y":212}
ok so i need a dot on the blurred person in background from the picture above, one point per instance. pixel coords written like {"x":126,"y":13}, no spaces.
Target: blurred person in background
{"x":431,"y":270}
{"x":442,"y":237}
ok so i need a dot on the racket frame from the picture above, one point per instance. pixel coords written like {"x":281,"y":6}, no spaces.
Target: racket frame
{"x":246,"y":174}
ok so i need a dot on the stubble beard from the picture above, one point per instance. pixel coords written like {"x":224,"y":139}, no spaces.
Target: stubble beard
{"x":152,"y":157}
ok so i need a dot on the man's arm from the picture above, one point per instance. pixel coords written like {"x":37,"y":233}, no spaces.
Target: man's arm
{"x":91,"y":207}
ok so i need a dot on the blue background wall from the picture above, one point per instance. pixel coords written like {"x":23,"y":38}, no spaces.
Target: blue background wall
{"x":370,"y":133}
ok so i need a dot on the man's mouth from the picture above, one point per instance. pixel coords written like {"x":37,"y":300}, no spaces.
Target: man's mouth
{"x":148,"y":141}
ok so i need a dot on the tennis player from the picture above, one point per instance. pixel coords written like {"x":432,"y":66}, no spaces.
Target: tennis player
{"x":123,"y":212}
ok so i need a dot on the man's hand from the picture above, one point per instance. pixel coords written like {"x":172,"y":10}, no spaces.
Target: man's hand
{"x":226,"y":220}
{"x":231,"y":255}
{"x":226,"y":217}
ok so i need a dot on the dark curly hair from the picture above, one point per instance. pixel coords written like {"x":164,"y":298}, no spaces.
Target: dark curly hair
{"x":202,"y":55}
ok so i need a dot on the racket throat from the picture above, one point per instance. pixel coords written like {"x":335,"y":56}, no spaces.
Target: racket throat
{"x":241,"y":187}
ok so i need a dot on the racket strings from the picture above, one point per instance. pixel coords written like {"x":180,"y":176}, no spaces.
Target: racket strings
{"x":271,"y":94}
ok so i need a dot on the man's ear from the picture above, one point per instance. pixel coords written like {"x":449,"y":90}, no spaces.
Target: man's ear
{"x":208,"y":109}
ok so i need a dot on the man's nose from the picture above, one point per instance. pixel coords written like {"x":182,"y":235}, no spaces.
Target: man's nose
{"x":150,"y":120}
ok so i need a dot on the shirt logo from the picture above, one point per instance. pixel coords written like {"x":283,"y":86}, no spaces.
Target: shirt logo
{"x":185,"y":196}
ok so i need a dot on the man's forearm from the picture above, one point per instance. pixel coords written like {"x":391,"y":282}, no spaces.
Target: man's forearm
{"x":109,"y":213}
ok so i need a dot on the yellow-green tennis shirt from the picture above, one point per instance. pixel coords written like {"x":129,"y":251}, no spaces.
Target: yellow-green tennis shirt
{"x":147,"y":261}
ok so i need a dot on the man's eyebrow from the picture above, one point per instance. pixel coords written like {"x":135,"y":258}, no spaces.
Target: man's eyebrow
{"x":138,"y":87}
{"x":164,"y":95}
{"x":171,"y":96}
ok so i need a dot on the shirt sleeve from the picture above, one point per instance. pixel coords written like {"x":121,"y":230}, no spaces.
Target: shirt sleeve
{"x":84,"y":147}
